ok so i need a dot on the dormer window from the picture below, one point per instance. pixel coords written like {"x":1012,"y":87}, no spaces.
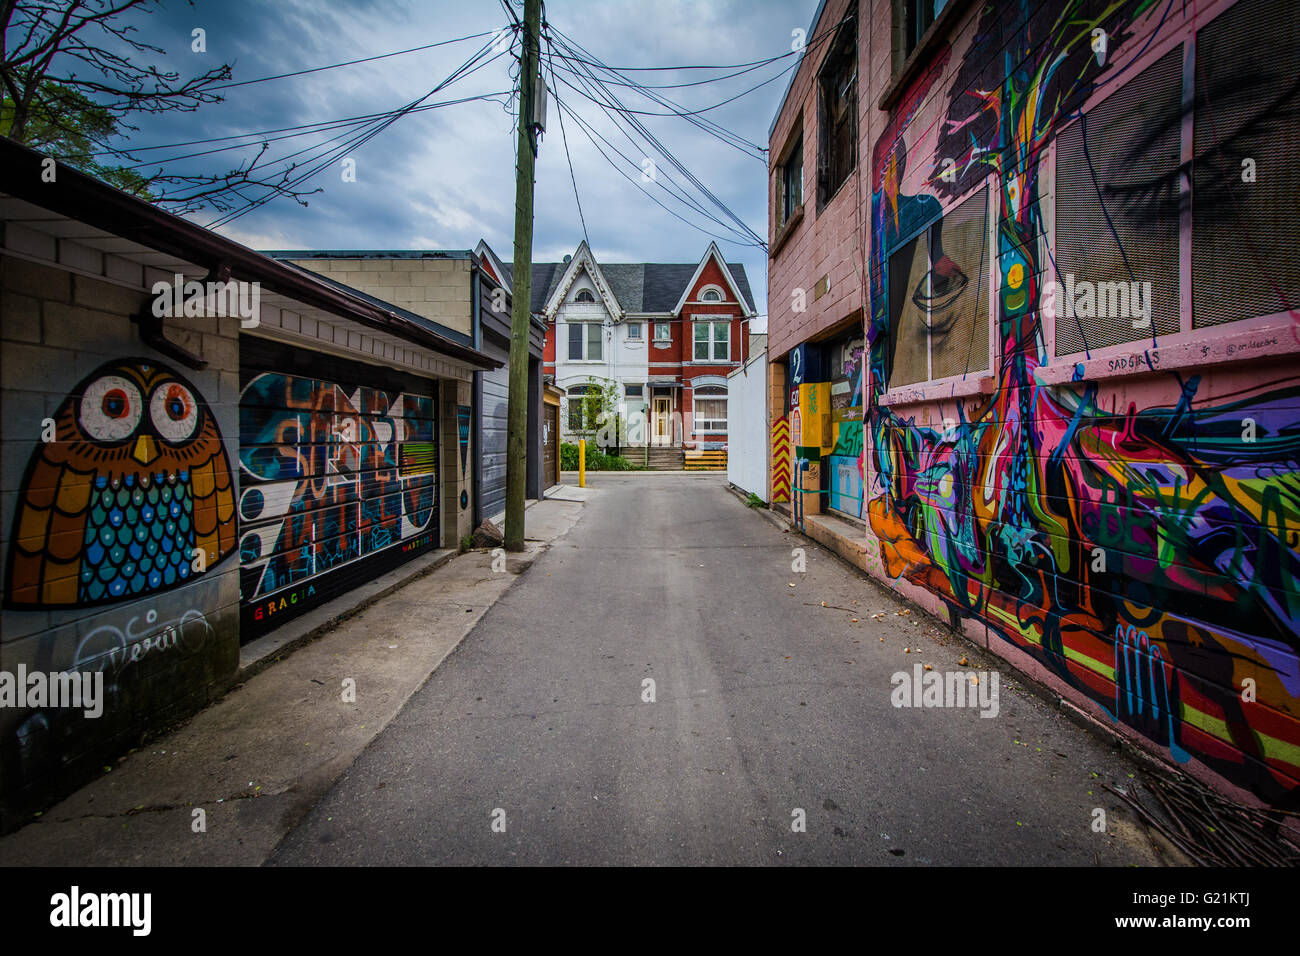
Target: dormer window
{"x":584,"y":295}
{"x":711,"y":295}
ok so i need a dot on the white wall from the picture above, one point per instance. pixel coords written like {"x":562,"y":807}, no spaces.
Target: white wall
{"x":747,"y":441}
{"x":622,"y":361}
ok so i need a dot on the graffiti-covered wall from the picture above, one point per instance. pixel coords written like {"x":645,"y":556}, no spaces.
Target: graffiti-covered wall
{"x":339,"y":465}
{"x":117,"y":510}
{"x":1083,"y":428}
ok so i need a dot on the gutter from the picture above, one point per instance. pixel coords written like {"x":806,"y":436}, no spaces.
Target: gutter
{"x":80,"y":197}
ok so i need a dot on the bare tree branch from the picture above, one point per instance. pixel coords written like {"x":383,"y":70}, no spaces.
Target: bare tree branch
{"x":70,"y":86}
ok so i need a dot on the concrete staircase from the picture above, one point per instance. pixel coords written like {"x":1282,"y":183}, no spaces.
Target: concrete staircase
{"x":665,"y":458}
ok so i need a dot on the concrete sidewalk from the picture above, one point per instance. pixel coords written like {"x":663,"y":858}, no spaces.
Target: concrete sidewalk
{"x":258,"y":759}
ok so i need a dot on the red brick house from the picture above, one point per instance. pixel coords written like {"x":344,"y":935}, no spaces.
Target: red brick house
{"x":665,"y":334}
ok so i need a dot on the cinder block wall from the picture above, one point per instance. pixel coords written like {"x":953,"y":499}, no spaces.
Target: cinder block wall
{"x":438,"y":289}
{"x":72,"y":510}
{"x":821,"y":247}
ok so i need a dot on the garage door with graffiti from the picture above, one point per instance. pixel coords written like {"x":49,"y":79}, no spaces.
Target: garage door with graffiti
{"x":338,"y":480}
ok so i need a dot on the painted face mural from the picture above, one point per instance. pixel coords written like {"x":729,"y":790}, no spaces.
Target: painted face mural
{"x":1138,"y":540}
{"x":136,"y":479}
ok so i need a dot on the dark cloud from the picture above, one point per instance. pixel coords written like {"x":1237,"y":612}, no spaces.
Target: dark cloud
{"x":445,"y":178}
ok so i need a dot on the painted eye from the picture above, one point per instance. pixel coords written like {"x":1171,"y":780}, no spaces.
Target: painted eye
{"x":174,"y":412}
{"x":110,"y":409}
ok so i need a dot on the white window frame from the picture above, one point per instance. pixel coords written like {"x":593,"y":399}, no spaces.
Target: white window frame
{"x":634,"y":332}
{"x":578,"y":393}
{"x":713,"y":321}
{"x":586,"y":342}
{"x":666,"y":329}
{"x":696,"y":398}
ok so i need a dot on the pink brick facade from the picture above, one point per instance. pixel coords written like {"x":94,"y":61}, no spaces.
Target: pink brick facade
{"x":1080,"y":429}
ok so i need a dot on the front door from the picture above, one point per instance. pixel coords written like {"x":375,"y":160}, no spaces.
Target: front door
{"x":551,"y":446}
{"x":663,"y":421}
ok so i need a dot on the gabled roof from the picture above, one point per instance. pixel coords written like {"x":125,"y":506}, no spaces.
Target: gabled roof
{"x":494,"y":263}
{"x":583,"y":261}
{"x":716,"y":255}
{"x":642,"y":287}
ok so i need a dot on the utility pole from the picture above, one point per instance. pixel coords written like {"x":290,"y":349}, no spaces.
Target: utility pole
{"x":521,"y":280}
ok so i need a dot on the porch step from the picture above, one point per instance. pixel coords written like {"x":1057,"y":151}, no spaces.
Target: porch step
{"x":666,"y":459}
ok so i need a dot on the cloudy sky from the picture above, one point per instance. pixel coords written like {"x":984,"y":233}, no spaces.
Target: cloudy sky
{"x":444,"y":178}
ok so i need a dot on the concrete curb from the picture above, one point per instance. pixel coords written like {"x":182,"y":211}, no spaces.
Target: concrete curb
{"x":257,"y":655}
{"x":766,"y":511}
{"x":260,"y":754}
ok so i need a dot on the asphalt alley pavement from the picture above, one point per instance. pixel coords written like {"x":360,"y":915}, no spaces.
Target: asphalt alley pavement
{"x":534,"y":741}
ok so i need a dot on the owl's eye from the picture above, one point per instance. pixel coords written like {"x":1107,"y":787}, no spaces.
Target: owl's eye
{"x":174,"y":412}
{"x":110,"y":409}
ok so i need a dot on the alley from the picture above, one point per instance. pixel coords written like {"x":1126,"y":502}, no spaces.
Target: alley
{"x":532,"y":743}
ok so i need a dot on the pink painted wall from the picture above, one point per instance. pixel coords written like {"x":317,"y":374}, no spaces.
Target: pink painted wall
{"x":1123,"y":520}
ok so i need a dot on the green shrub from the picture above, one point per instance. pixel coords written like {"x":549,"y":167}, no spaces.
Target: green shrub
{"x":597,"y":460}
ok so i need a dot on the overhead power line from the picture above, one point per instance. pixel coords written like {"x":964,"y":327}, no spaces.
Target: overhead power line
{"x":363,"y":137}
{"x":255,"y":138}
{"x":564,"y":136}
{"x":667,"y":154}
{"x":365,"y":59}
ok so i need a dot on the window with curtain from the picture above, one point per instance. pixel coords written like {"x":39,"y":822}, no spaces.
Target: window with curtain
{"x":710,"y":409}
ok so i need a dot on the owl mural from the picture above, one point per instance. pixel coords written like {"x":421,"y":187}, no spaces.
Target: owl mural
{"x":136,"y":478}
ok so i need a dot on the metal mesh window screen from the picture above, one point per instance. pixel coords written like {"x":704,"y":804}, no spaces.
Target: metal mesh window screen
{"x":908,"y":268}
{"x":1245,"y":234}
{"x":1132,"y":142}
{"x":595,"y":340}
{"x":958,"y":292}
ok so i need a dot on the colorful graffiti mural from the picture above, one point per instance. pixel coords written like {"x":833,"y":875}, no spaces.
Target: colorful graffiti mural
{"x":845,"y":462}
{"x":1136,"y":538}
{"x":332,"y":475}
{"x":134,"y":483}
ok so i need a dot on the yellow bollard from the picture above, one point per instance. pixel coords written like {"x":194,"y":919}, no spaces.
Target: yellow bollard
{"x":582,"y":463}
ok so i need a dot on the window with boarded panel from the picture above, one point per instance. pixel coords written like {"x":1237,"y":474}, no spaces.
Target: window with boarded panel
{"x":939,"y":298}
{"x":958,"y":292}
{"x":1117,"y":220}
{"x":908,"y":342}
{"x":1246,"y":130}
